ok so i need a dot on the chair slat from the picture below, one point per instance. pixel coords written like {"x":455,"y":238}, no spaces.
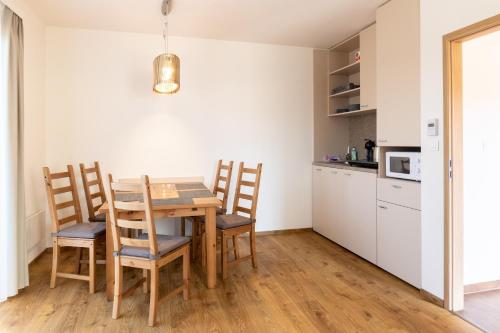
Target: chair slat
{"x":219,"y":189}
{"x":95,"y":195}
{"x":244,"y":210}
{"x":134,"y":242}
{"x":90,"y":170}
{"x":93,"y":182}
{"x":68,"y":219}
{"x":224,"y":167}
{"x":246,"y":196}
{"x":127,"y":187}
{"x":65,"y":204}
{"x":223,"y":178}
{"x":64,"y":189}
{"x":249,"y":170}
{"x":247,"y":183}
{"x":131,"y":224}
{"x":135,"y":206}
{"x":59,"y":175}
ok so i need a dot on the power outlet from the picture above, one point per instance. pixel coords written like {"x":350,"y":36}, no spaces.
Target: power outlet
{"x":435,"y":145}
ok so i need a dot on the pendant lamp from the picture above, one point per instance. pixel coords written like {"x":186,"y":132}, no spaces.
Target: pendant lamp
{"x":166,"y":66}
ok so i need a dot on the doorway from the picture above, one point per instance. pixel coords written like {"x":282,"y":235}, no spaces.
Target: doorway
{"x":472,"y":274}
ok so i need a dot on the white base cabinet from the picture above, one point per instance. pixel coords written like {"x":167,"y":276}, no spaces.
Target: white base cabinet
{"x":350,"y":208}
{"x":399,"y":241}
{"x":344,"y":209}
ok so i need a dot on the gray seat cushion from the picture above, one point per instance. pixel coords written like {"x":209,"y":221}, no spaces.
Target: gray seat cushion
{"x":232,"y":221}
{"x":98,"y":218}
{"x":83,"y":230}
{"x":166,"y":244}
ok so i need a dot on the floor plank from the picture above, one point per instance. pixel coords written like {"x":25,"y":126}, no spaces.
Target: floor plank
{"x":304,"y":283}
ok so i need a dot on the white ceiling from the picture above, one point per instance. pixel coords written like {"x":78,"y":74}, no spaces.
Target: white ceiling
{"x":312,"y":23}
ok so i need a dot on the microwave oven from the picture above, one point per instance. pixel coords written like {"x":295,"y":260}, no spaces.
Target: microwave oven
{"x":403,"y":165}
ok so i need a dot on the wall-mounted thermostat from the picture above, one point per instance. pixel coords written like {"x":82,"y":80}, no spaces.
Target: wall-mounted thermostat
{"x":432,"y":127}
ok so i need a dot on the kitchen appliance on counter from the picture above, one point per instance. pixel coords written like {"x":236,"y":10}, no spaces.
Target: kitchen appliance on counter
{"x":376,"y":154}
{"x":369,"y":145}
{"x":403,"y":165}
{"x":363,"y":164}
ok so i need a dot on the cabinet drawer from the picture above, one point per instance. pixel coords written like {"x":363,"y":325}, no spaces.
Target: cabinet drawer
{"x":399,"y":192}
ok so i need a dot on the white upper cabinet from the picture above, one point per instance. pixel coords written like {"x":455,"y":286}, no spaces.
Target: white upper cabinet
{"x":368,"y":74}
{"x":398,"y":73}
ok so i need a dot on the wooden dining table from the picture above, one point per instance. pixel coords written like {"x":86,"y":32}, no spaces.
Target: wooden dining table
{"x":173,"y":199}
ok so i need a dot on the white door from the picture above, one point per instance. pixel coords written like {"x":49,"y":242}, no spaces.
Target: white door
{"x":398,"y":241}
{"x":320,"y":218}
{"x":361,"y":214}
{"x":398,"y":73}
{"x":335,"y":205}
{"x":368,"y":73}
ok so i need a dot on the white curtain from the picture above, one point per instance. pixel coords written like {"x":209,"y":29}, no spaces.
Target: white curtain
{"x":13,"y":252}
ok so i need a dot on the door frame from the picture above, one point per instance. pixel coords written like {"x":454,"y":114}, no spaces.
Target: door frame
{"x":453,"y":157}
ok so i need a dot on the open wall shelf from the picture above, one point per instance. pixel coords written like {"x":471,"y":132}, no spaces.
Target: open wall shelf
{"x":347,"y":93}
{"x":353,"y":113}
{"x":348,"y":69}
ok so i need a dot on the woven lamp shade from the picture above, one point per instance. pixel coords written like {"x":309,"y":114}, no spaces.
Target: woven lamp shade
{"x":167,"y":74}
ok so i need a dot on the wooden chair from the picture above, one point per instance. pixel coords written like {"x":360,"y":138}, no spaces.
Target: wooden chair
{"x":79,"y":235}
{"x":241,"y":220}
{"x":221,"y":187}
{"x":89,"y":183}
{"x":149,"y":251}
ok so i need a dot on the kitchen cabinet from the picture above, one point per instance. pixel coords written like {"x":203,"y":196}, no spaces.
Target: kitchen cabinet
{"x":359,"y":213}
{"x":398,"y":73}
{"x":344,"y":209}
{"x":399,"y":241}
{"x":400,"y":192}
{"x":368,"y":73}
{"x":321,"y":220}
{"x":335,"y":204}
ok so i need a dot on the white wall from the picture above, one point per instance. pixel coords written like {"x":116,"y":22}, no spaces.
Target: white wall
{"x":34,"y":130}
{"x":241,"y":101}
{"x":481,"y":102}
{"x":437,"y":19}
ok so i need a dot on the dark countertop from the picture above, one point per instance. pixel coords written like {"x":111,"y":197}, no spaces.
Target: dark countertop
{"x":344,"y":166}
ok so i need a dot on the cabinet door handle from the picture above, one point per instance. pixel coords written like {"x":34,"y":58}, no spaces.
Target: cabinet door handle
{"x":383,"y":207}
{"x":397,"y":186}
{"x":334,"y":172}
{"x":347,"y":174}
{"x":364,"y":106}
{"x":382,"y":140}
{"x":319,"y":169}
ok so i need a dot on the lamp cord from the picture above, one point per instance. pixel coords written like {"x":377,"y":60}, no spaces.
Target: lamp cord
{"x":165,"y":29}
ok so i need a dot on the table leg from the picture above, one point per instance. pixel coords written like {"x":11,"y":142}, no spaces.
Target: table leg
{"x":110,"y":263}
{"x":211,"y":247}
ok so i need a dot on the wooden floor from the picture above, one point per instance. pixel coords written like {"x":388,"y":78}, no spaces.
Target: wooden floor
{"x":483,"y":310}
{"x":304,"y":283}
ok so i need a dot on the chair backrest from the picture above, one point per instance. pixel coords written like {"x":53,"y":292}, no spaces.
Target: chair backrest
{"x":223,"y":182}
{"x":120,"y":207}
{"x":92,"y":182}
{"x":252,"y":186}
{"x":69,"y":190}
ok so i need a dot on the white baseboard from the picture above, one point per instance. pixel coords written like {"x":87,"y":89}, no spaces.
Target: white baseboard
{"x":481,"y":287}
